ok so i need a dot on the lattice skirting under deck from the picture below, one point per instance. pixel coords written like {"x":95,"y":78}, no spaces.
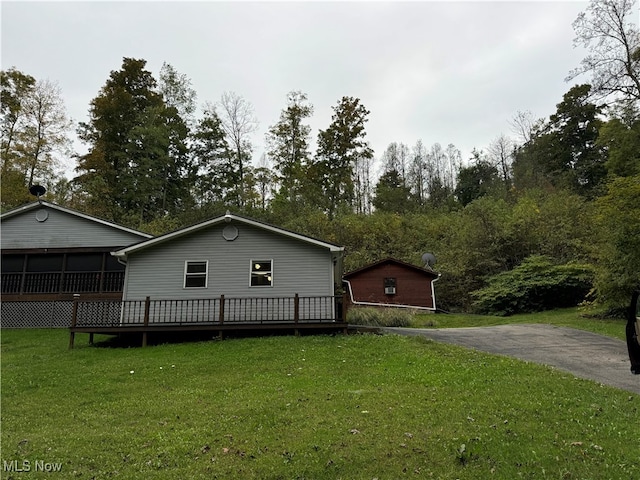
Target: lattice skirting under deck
{"x":52,"y":314}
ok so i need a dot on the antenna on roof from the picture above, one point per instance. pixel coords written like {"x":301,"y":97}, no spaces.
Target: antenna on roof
{"x":37,"y":191}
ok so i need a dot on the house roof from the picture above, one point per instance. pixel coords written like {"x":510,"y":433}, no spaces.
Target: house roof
{"x":390,"y":260}
{"x":39,"y":204}
{"x":227,"y":218}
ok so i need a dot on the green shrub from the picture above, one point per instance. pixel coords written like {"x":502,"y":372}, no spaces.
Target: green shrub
{"x":379,"y":317}
{"x":535,"y":285}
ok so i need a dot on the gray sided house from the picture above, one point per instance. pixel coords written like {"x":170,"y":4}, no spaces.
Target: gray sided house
{"x":49,"y":253}
{"x":231,"y":269}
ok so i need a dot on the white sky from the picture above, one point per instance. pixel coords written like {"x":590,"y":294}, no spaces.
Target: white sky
{"x":446,"y":72}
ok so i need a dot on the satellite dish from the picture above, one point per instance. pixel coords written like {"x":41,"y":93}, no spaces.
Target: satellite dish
{"x":37,"y":190}
{"x":429,"y":259}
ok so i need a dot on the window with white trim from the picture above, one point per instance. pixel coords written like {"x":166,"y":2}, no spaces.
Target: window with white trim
{"x":390,"y":286}
{"x":261,"y":273}
{"x":195,"y":273}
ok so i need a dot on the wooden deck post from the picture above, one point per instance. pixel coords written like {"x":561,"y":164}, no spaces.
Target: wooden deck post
{"x":296,"y":312}
{"x":345,"y":307}
{"x":221,"y":316}
{"x":74,"y":319}
{"x":147,"y":305}
{"x":221,"y":312}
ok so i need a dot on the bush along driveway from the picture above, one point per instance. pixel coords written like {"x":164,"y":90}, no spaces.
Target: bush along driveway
{"x":583,"y":354}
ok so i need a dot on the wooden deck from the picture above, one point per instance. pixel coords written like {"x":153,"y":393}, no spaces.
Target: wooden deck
{"x":221,"y":315}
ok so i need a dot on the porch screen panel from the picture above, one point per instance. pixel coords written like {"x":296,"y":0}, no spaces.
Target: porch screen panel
{"x":83,"y":272}
{"x":113,"y":275}
{"x":12,"y":267}
{"x":84,"y":262}
{"x":44,"y":273}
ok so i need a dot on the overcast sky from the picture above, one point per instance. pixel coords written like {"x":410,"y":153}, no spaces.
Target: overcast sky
{"x":446,"y":72}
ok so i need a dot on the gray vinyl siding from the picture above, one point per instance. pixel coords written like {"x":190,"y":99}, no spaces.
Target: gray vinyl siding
{"x":61,"y":230}
{"x":298,"y":267}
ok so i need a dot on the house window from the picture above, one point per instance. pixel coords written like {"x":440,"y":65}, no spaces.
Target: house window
{"x":195,"y":274}
{"x":390,"y":286}
{"x":261,"y":273}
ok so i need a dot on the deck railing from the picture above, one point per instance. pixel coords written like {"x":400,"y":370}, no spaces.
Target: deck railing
{"x":211,"y":311}
{"x":59,"y":282}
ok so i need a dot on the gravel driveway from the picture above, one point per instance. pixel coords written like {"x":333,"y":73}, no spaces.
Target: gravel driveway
{"x":584,"y":354}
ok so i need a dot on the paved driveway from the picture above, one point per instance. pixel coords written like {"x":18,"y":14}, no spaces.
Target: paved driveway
{"x":584,"y":354}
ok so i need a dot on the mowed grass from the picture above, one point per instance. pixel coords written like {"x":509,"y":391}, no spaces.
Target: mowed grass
{"x":314,"y":407}
{"x":578,"y":317}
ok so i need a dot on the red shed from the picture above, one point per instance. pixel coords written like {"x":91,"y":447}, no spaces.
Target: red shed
{"x":391,"y":282}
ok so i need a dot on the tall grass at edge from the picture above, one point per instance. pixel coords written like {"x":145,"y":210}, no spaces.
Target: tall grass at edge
{"x":380,"y":317}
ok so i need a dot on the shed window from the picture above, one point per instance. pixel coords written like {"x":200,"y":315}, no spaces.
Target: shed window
{"x":261,"y":273}
{"x":390,"y":286}
{"x":195,"y":274}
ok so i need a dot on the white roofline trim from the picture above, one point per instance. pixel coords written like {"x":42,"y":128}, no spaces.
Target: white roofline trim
{"x":228,"y":217}
{"x":34,"y":205}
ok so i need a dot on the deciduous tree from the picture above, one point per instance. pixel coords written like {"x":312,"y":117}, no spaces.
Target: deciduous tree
{"x":217,"y":175}
{"x":137,"y":167}
{"x":177,"y":92}
{"x":391,"y":194}
{"x":564,"y":153}
{"x":607,"y":30}
{"x":618,"y":252}
{"x":477,"y":180}
{"x":35,"y":140}
{"x":500,"y":153}
{"x":16,"y":88}
{"x":238,"y":122}
{"x":288,"y":145}
{"x":620,"y":138}
{"x":340,"y":147}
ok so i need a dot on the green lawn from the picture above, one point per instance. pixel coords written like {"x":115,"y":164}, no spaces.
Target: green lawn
{"x":569,"y":317}
{"x":315,"y":407}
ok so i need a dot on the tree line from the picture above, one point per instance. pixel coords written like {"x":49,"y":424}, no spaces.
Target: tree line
{"x":563,"y":190}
